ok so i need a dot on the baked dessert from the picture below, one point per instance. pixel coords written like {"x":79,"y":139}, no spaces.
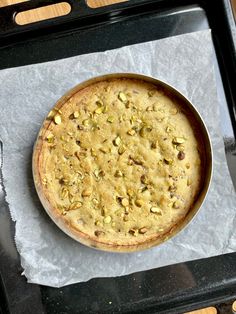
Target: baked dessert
{"x":118,"y":164}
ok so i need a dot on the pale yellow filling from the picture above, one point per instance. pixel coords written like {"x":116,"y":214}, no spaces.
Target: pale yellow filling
{"x":120,"y":161}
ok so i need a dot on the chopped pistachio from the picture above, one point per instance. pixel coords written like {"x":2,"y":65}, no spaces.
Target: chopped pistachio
{"x":134,"y":232}
{"x":71,"y":198}
{"x":126,"y":218}
{"x":104,"y":150}
{"x":156,"y":210}
{"x":95,"y":126}
{"x":168,"y":161}
{"x":130,"y":162}
{"x":178,"y":140}
{"x":77,"y":154}
{"x":103,"y":211}
{"x":99,"y":173}
{"x":189,"y":182}
{"x":93,"y":152}
{"x":76,"y":114}
{"x":180,"y":147}
{"x":187,"y":165}
{"x":96,"y":173}
{"x":75,"y":205}
{"x":122,"y":97}
{"x":176,"y":204}
{"x":80,"y":175}
{"x":168,"y":129}
{"x":125,"y":202}
{"x":113,"y":224}
{"x":130,"y":192}
{"x":110,"y":119}
{"x":86,"y":122}
{"x":107,"y":220}
{"x":87,"y":192}
{"x":128,"y":104}
{"x":156,"y":108}
{"x":170,"y":204}
{"x":117,"y":141}
{"x":80,"y":127}
{"x":118,"y":174}
{"x":121,"y":150}
{"x":144,"y":179}
{"x":127,"y":209}
{"x":117,"y":198}
{"x":99,"y":103}
{"x":58,"y":110}
{"x":149,"y":108}
{"x":98,"y":223}
{"x":173,"y":111}
{"x":102,"y":173}
{"x":64,"y":193}
{"x":50,"y":138}
{"x":95,"y":201}
{"x":143,"y":189}
{"x":136,"y":128}
{"x":131,"y":132}
{"x":119,"y":212}
{"x":136,"y":160}
{"x":139,"y":202}
{"x":143,"y":230}
{"x":120,"y":119}
{"x":98,"y":233}
{"x":181,"y":155}
{"x":154,"y":145}
{"x":83,"y":154}
{"x":51,"y":114}
{"x":57,"y":119}
{"x":133,"y":119}
{"x":172,"y":188}
{"x":144,"y":130}
{"x":99,"y":110}
{"x":64,"y":181}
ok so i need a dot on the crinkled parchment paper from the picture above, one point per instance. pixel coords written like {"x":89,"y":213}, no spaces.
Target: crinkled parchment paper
{"x":50,"y":257}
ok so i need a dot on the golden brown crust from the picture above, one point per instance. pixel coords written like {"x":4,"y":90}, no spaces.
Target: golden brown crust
{"x":118,"y":165}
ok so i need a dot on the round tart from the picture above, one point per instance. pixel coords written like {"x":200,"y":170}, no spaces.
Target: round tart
{"x":120,"y":163}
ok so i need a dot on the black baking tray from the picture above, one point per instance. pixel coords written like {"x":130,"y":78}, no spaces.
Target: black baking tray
{"x":172,"y":289}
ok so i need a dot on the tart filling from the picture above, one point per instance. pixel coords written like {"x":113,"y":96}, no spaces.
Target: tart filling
{"x":120,"y":162}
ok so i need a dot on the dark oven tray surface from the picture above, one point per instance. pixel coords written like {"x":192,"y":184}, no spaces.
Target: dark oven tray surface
{"x":172,"y":289}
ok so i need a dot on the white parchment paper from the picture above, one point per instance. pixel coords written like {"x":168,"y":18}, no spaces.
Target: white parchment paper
{"x":48,"y":256}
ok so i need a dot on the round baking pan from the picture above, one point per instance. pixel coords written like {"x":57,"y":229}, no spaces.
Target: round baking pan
{"x":206,"y":164}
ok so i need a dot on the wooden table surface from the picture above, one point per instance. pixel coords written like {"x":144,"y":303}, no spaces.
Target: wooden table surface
{"x":61,"y":9}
